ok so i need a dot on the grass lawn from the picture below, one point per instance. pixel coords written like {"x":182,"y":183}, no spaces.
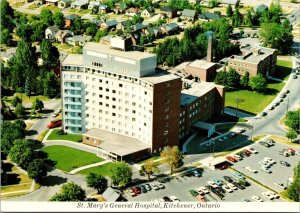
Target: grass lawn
{"x":33,"y":6}
{"x":283,"y":69}
{"x":56,"y":135}
{"x":53,"y":8}
{"x":104,"y":170}
{"x":153,"y":158}
{"x":64,"y":46}
{"x":18,"y":4}
{"x":26,"y":99}
{"x":284,"y":140}
{"x":84,"y":11}
{"x":253,"y":102}
{"x":28,"y":126}
{"x":67,"y":158}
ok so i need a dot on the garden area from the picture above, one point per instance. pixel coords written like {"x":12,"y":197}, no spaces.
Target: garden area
{"x":67,"y":159}
{"x":25,"y":98}
{"x":104,"y":170}
{"x":58,"y":134}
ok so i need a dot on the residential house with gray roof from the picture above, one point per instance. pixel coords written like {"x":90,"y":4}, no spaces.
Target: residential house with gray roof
{"x":188,"y":14}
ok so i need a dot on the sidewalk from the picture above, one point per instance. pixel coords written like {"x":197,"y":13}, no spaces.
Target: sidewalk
{"x":89,"y":166}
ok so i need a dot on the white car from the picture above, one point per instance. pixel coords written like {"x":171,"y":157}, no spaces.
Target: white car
{"x":297,"y":153}
{"x":256,"y":199}
{"x":203,"y":189}
{"x":275,"y":195}
{"x":264,"y":164}
{"x":254,"y":151}
{"x":199,"y":191}
{"x":196,"y":174}
{"x":232,"y":186}
{"x":281,"y":185}
{"x":267,"y":159}
{"x":174,"y":199}
{"x":227,"y":188}
{"x":250,"y":169}
{"x":212,"y":184}
{"x":267,"y":195}
{"x":237,"y":157}
{"x":265,"y":169}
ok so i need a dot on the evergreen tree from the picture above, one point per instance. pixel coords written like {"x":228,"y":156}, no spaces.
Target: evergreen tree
{"x":245,"y":80}
{"x":6,"y":37}
{"x":28,"y":87}
{"x":229,"y":11}
{"x":221,"y":78}
{"x":248,"y":19}
{"x":58,"y":19}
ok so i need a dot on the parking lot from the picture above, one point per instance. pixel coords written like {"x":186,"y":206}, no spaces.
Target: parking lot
{"x":179,"y":186}
{"x":279,"y":172}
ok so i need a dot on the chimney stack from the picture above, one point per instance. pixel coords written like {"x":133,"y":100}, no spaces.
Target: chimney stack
{"x":209,"y":57}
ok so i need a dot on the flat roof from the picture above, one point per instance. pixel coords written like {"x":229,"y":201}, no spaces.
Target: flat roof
{"x":202,"y":64}
{"x":253,"y":58}
{"x":115,"y":143}
{"x":73,"y":59}
{"x":194,"y":91}
{"x":102,"y":48}
{"x":160,"y":77}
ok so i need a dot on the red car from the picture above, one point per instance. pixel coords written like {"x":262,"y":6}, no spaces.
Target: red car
{"x":54,"y":123}
{"x":292,"y":151}
{"x":201,"y":198}
{"x":231,"y":159}
{"x":136,"y":190}
{"x":247,"y":151}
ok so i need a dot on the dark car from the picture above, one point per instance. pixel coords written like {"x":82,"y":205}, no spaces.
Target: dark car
{"x":228,"y":179}
{"x":143,"y":189}
{"x":264,"y":114}
{"x":167,"y":199}
{"x":220,"y":189}
{"x":285,"y":163}
{"x":238,"y":185}
{"x":264,"y":143}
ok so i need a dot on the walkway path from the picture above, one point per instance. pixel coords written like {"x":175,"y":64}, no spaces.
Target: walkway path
{"x":89,"y":166}
{"x":276,"y":79}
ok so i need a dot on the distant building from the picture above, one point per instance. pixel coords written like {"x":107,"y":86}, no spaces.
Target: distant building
{"x":171,"y":12}
{"x":132,"y":11}
{"x":52,"y":2}
{"x":64,"y":3}
{"x":188,"y":14}
{"x":109,"y":24}
{"x":170,"y":29}
{"x":147,"y":13}
{"x":120,"y":7}
{"x":61,"y":35}
{"x":202,"y":70}
{"x":79,"y":4}
{"x":260,"y":8}
{"x":50,"y":32}
{"x":255,"y":60}
{"x":208,"y":16}
{"x":78,"y":40}
{"x":69,"y":19}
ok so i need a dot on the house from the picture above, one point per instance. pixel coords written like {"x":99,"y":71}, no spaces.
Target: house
{"x":64,"y":3}
{"x":120,"y":8}
{"x":109,"y":24}
{"x":171,"y":12}
{"x":51,"y":2}
{"x":208,"y":16}
{"x":111,"y":195}
{"x":132,"y":11}
{"x":97,"y":22}
{"x":79,"y":4}
{"x":92,"y":4}
{"x":69,"y":19}
{"x":260,"y":8}
{"x":50,"y":32}
{"x":156,"y":31}
{"x":231,"y":2}
{"x":188,"y":14}
{"x":61,"y":35}
{"x":123,"y":25}
{"x":148,"y":12}
{"x":78,"y":40}
{"x":170,"y":28}
{"x":102,"y":9}
{"x":138,"y":27}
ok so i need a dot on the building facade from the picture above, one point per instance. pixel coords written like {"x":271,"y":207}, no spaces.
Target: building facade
{"x":120,"y":92}
{"x":255,"y":60}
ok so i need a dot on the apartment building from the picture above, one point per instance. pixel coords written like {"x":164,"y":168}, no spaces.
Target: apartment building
{"x":119,"y":101}
{"x":254,"y":60}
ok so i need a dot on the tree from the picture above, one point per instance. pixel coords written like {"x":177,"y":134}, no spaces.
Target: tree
{"x":221,"y":78}
{"x":96,"y":181}
{"x":20,"y":110}
{"x":22,"y":152}
{"x":92,"y":30}
{"x":293,"y":120}
{"x":6,"y":37}
{"x":233,"y":78}
{"x":24,"y":31}
{"x":70,"y":192}
{"x":4,"y":175}
{"x":245,"y":80}
{"x":7,"y":15}
{"x":294,"y":188}
{"x":277,"y":36}
{"x":100,"y":34}
{"x":150,"y":167}
{"x":37,"y":170}
{"x":46,"y":16}
{"x":37,"y":105}
{"x":229,"y":11}
{"x":38,"y":30}
{"x":49,"y":55}
{"x":58,"y":19}
{"x":11,"y":131}
{"x":51,"y":85}
{"x":248,"y":19}
{"x":16,"y":100}
{"x":237,"y":18}
{"x":291,"y":134}
{"x":172,"y":156}
{"x":258,"y":83}
{"x":77,"y":26}
{"x":122,"y":174}
{"x":28,"y":86}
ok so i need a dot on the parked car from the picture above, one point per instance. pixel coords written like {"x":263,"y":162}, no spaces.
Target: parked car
{"x":54,"y":123}
{"x":237,"y":157}
{"x":232,"y":186}
{"x":270,"y":160}
{"x":212,"y":184}
{"x":254,"y":151}
{"x":264,"y":114}
{"x":284,"y":153}
{"x":199,"y":191}
{"x":161,"y":186}
{"x":231,"y":159}
{"x":280,"y":185}
{"x":227,"y":188}
{"x":264,"y":143}
{"x":218,"y":182}
{"x":256,"y":199}
{"x":238,"y":185}
{"x":167,"y":199}
{"x":136,"y":190}
{"x":228,"y":179}
{"x":131,"y":192}
{"x":265,"y":169}
{"x":224,"y":138}
{"x":292,"y":151}
{"x":247,"y":151}
{"x":267,"y":195}
{"x":238,"y":175}
{"x":247,"y":200}
{"x":275,"y":195}
{"x":193,"y":193}
{"x":201,"y":198}
{"x":174,"y":199}
{"x":56,"y":113}
{"x":203,"y":189}
{"x":285,"y":163}
{"x":143,"y":189}
{"x":250,"y":169}
{"x":148,"y":187}
{"x":196,"y":174}
{"x":271,"y":142}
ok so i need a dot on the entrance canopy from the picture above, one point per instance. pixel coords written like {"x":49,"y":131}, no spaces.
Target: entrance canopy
{"x":117,"y":144}
{"x":211,"y":128}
